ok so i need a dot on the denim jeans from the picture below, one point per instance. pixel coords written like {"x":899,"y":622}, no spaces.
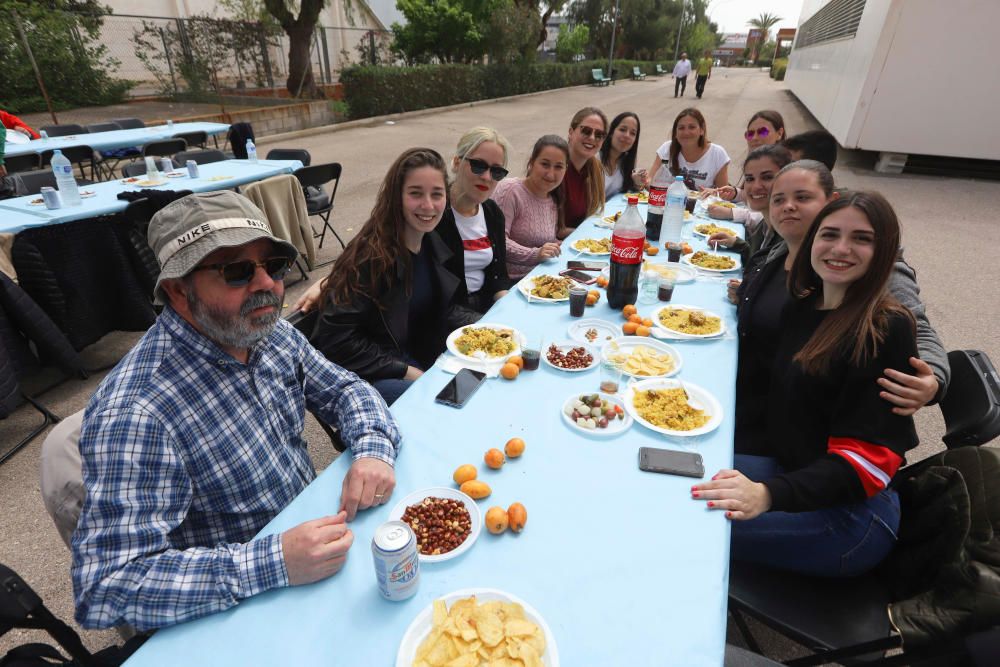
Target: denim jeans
{"x":391,"y":389}
{"x":841,"y":541}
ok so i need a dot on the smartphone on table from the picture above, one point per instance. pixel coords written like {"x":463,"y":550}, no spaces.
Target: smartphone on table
{"x":460,"y":388}
{"x":671,"y":462}
{"x":579,"y":276}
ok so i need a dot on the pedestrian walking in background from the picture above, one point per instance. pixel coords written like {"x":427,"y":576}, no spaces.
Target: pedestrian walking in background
{"x":681,"y":71}
{"x":704,"y":67}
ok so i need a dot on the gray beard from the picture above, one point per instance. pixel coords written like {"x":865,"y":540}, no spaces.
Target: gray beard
{"x":237,"y":331}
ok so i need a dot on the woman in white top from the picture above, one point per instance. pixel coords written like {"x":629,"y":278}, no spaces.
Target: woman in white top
{"x":690,"y":154}
{"x":618,"y":156}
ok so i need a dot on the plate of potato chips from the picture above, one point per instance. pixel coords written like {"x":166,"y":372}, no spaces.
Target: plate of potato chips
{"x":477,"y":627}
{"x":642,"y":357}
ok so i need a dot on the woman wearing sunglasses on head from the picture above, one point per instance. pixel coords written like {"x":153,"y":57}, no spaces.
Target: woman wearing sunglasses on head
{"x":618,"y":154}
{"x":765,"y":128}
{"x":533,"y":207}
{"x":583,"y":186}
{"x":473,"y":226}
{"x":690,"y":154}
{"x":389,"y":301}
{"x":817,"y":500}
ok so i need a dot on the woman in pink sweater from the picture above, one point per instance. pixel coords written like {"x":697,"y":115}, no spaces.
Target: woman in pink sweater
{"x":533,"y":207}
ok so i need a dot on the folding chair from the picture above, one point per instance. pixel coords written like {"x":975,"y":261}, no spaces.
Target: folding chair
{"x":32,"y":182}
{"x":201,"y":157}
{"x":300,"y":154}
{"x":81,"y":156}
{"x":103,"y":127}
{"x":165,"y":148}
{"x":134,"y":169}
{"x":129,"y":123}
{"x":305,"y":323}
{"x":63,"y":130}
{"x":846,"y":620}
{"x":199,"y":139}
{"x":317,"y":176}
{"x":25,"y":162}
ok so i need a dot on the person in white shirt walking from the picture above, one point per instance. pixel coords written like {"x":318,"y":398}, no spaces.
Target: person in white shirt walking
{"x":681,"y":71}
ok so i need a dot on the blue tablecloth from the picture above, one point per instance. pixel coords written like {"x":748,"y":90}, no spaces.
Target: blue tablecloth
{"x":623,"y":565}
{"x":19,"y":214}
{"x":106,"y":141}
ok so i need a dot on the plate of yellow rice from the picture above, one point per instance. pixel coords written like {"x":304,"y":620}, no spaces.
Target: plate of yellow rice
{"x":484,"y":342}
{"x":659,"y":405}
{"x":688,"y":321}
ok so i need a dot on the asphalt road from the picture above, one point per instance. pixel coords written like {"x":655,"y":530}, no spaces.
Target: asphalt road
{"x":949,"y":235}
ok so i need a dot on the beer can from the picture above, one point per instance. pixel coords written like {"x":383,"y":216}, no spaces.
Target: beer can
{"x":50,"y":197}
{"x":192,"y":167}
{"x":166,"y":165}
{"x":397,"y":563}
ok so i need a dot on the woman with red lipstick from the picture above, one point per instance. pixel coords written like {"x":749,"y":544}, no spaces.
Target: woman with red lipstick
{"x":389,"y":301}
{"x":690,"y":154}
{"x":533,"y":207}
{"x":583,"y":186}
{"x":473,"y":226}
{"x":817,"y":499}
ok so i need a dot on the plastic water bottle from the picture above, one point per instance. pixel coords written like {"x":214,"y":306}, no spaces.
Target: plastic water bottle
{"x":673,"y":219}
{"x":657,"y":200}
{"x":251,"y":151}
{"x":152,"y":171}
{"x":63,"y":172}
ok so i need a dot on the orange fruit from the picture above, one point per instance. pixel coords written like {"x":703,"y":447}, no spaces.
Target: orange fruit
{"x":514,"y":447}
{"x":646,"y":322}
{"x":635,"y":317}
{"x":518,"y":361}
{"x":595,"y":293}
{"x":592,"y":299}
{"x":602,"y":281}
{"x":652,"y":250}
{"x":642,"y":331}
{"x":629,"y":328}
{"x":630,"y":309}
{"x":496,"y":520}
{"x":517,"y":516}
{"x":686,"y":249}
{"x":494,"y":458}
{"x":510,"y":370}
{"x":476,"y":489}
{"x":464,"y":473}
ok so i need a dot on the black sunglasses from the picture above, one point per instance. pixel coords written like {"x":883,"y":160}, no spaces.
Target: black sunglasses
{"x":238,"y":274}
{"x":479,"y":167}
{"x":591,"y":132}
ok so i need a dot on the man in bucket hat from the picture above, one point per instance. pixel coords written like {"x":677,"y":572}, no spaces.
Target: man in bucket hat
{"x":193,"y":443}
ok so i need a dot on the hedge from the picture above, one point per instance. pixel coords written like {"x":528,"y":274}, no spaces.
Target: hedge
{"x":778,"y":69}
{"x":375,"y":91}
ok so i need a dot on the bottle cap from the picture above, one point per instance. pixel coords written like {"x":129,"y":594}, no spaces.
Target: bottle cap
{"x":633,"y":200}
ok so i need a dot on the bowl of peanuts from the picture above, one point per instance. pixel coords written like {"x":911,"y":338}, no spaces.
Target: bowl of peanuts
{"x":570,"y":356}
{"x":446,"y":522}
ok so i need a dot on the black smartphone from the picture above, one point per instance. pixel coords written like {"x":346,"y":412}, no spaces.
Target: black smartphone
{"x":671,"y":462}
{"x":579,"y":276}
{"x":584,"y":265}
{"x":460,"y":388}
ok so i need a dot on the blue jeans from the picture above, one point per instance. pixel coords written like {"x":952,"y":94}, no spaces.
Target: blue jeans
{"x":391,"y":389}
{"x":841,"y":541}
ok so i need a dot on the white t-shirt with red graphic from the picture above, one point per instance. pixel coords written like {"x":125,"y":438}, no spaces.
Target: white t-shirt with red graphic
{"x":478,"y":248}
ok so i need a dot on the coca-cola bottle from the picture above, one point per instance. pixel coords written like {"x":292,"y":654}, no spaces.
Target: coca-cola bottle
{"x":627,"y":244}
{"x":657,"y":200}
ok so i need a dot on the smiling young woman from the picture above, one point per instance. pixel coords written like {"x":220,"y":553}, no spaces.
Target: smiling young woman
{"x":583,"y":185}
{"x":618,"y":156}
{"x":690,"y":154}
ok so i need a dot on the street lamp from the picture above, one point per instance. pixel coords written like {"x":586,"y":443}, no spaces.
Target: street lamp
{"x":677,"y":48}
{"x":614,"y":29}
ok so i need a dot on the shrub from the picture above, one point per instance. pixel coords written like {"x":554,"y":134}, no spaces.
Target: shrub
{"x":778,"y":68}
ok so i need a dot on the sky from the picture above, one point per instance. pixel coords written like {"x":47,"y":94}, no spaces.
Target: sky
{"x":732,"y":15}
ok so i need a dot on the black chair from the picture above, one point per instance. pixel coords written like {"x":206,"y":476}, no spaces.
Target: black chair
{"x":846,"y":620}
{"x":199,"y":139}
{"x":166,"y":148}
{"x":201,"y":157}
{"x":305,"y":323}
{"x":81,"y":156}
{"x":134,"y":169}
{"x":129,"y":123}
{"x":25,"y":162}
{"x":318,"y":176}
{"x":32,"y":182}
{"x":103,"y":127}
{"x":63,"y":130}
{"x":300,"y":154}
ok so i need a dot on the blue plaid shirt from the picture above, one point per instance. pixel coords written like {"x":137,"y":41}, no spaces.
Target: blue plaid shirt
{"x":187,"y":454}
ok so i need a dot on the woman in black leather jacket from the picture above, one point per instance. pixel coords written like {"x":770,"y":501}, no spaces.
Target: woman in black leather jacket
{"x":389,"y":301}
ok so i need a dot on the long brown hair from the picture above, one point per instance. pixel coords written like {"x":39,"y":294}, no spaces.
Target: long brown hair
{"x":675,"y":147}
{"x":773,"y":118}
{"x":557,"y":195}
{"x":593,"y":172}
{"x":379,"y":244}
{"x":860,"y":323}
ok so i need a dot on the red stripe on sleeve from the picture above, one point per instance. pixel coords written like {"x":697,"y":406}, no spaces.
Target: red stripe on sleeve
{"x":481,"y":243}
{"x":875,"y":465}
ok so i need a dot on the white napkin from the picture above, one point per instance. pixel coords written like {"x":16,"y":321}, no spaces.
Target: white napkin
{"x":449,"y":363}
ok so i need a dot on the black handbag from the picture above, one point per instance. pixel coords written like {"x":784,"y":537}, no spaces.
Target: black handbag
{"x":973,"y":415}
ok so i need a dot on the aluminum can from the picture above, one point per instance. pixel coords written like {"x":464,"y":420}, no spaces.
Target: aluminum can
{"x":397,"y":564}
{"x":43,"y":134}
{"x":192,"y":167}
{"x":166,"y":165}
{"x":50,"y":197}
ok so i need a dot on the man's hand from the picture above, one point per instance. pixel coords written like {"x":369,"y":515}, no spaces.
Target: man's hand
{"x":369,"y":482}
{"x":731,"y":490}
{"x":316,"y":549}
{"x":908,"y":392}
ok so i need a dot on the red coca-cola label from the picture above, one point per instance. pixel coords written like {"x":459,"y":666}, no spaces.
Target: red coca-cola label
{"x":627,"y":249}
{"x":657,"y":196}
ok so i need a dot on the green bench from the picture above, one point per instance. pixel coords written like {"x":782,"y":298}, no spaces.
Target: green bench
{"x":659,"y":70}
{"x":637,"y":74}
{"x":598,"y":77}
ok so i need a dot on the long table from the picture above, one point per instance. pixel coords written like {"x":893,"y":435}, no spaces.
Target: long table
{"x":623,"y":565}
{"x":19,"y":213}
{"x":106,"y":141}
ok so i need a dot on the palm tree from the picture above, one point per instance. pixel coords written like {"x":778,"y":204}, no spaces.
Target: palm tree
{"x":764,"y":23}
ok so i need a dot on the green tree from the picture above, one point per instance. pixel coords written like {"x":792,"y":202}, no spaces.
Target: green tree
{"x":510,"y":33}
{"x":299,"y":29}
{"x":647,"y":29}
{"x":535,"y":8}
{"x":448,"y":30}
{"x":571,"y":42}
{"x":764,"y":22}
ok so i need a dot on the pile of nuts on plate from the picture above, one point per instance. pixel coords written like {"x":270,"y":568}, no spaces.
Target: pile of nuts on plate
{"x":440,"y":524}
{"x":576,"y":357}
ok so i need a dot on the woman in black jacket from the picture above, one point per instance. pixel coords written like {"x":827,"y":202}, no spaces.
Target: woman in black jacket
{"x":473,"y":226}
{"x":389,"y":301}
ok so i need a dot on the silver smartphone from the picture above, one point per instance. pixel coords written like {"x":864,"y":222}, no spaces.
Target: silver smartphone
{"x":671,"y":462}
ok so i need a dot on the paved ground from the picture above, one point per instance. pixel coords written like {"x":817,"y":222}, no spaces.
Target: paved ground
{"x":949,"y":235}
